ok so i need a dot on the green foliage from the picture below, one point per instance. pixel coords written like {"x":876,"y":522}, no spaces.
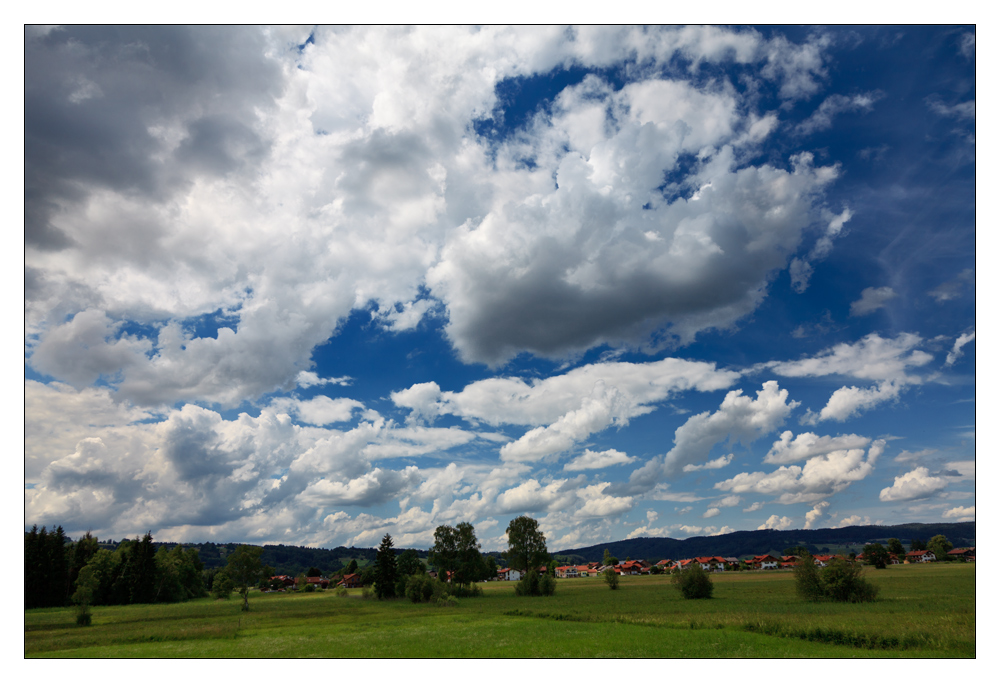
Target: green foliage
{"x":917,"y":544}
{"x":46,"y":568}
{"x":245,"y":570}
{"x":340,"y":591}
{"x":526,"y":548}
{"x":222,"y":586}
{"x":531,"y":584}
{"x":313,"y":572}
{"x":456,"y":550}
{"x":876,"y":555}
{"x":385,"y":570}
{"x":87,"y":584}
{"x":446,"y":601}
{"x":894,"y":546}
{"x":352,"y":567}
{"x":940,"y":545}
{"x":842,"y":582}
{"x":611,"y":578}
{"x":808,"y":583}
{"x":408,"y":563}
{"x":693,"y":582}
{"x":609,"y":559}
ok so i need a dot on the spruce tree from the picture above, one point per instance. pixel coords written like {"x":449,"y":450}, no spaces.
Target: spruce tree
{"x":385,"y":570}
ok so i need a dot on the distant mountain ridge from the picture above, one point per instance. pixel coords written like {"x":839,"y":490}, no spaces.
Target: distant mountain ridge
{"x":744,"y":543}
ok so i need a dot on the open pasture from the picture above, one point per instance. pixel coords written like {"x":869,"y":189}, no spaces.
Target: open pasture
{"x":922,"y":611}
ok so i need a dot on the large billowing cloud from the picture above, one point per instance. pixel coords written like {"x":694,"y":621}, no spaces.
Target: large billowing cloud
{"x":206,"y":207}
{"x":274,"y":184}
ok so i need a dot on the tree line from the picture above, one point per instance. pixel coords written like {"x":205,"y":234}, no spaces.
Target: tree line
{"x":135,"y":572}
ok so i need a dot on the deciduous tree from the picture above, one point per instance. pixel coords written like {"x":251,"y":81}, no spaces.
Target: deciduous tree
{"x":245,"y":570}
{"x":876,"y":555}
{"x":894,"y":546}
{"x":525,"y":544}
{"x":611,"y":578}
{"x":940,"y":545}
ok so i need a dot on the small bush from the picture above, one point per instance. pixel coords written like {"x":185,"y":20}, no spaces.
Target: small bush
{"x":465,"y":591}
{"x":840,"y":581}
{"x":808,"y":583}
{"x":367,"y":593}
{"x":693,"y":582}
{"x":83,"y":616}
{"x":532,"y":584}
{"x":611,"y":578}
{"x":340,"y":591}
{"x":422,"y":588}
{"x":309,"y":588}
{"x":447,"y":601}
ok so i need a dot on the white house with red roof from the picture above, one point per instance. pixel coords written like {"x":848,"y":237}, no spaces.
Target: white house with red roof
{"x":920,"y":556}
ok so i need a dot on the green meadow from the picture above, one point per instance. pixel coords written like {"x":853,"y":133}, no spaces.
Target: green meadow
{"x":922,"y":611}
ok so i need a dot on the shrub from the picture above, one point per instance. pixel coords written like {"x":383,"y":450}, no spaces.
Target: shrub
{"x":611,"y":578}
{"x":367,"y":593}
{"x":532,"y":584}
{"x":309,"y":588}
{"x":83,"y":616}
{"x":340,"y":591}
{"x":693,"y":582}
{"x":422,"y":588}
{"x":528,"y":585}
{"x":842,"y":582}
{"x":808,"y":583}
{"x":447,"y":601}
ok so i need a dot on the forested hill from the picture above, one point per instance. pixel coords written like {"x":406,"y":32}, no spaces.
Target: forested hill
{"x":744,"y":543}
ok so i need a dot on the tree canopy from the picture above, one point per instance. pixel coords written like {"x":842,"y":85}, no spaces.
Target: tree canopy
{"x":245,"y":570}
{"x":940,"y":545}
{"x":456,"y":550}
{"x":876,"y":555}
{"x":525,"y":544}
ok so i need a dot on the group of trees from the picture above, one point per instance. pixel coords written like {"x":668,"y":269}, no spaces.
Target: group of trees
{"x":58,"y":571}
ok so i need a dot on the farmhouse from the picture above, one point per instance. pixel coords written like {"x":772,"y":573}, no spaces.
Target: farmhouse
{"x":967,"y":554}
{"x":351,"y":581}
{"x":920,"y":556}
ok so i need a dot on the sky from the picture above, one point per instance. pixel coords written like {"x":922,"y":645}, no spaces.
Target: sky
{"x":312,"y":285}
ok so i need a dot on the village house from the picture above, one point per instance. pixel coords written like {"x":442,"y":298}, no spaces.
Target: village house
{"x":351,"y":581}
{"x":920,"y":556}
{"x":967,"y":554}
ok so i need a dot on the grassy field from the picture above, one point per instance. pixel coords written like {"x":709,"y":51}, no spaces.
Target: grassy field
{"x":922,"y":611}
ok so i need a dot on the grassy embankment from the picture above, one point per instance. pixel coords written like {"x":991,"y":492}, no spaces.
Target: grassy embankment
{"x":923,"y":611}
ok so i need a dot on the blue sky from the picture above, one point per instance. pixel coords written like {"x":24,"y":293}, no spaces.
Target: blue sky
{"x":311,"y":285}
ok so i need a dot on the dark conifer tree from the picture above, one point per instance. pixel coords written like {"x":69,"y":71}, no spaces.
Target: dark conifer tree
{"x":385,"y":570}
